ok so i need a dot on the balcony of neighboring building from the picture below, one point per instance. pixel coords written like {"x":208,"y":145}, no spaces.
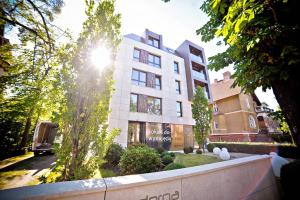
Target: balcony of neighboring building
{"x":198,"y":72}
{"x":261,"y":109}
{"x":196,"y":55}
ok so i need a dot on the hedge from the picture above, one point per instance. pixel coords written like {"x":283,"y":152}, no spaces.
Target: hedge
{"x":287,"y":151}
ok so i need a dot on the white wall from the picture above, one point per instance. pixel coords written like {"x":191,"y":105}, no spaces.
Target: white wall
{"x":121,"y":98}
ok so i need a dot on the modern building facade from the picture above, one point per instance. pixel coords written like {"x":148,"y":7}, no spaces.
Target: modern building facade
{"x":154,"y":86}
{"x":234,"y":115}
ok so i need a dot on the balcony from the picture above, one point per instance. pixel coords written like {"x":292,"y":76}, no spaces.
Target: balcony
{"x":198,"y":75}
{"x":259,"y":109}
{"x":197,"y":59}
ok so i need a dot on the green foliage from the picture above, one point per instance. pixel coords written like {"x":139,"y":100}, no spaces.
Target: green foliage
{"x":210,"y":147}
{"x":198,"y":151}
{"x":160,"y":150}
{"x":135,"y":145}
{"x":83,"y":123}
{"x":167,"y":159}
{"x":114,"y":154}
{"x":187,"y":150}
{"x":167,"y":153}
{"x":139,"y":160}
{"x":28,"y":83}
{"x":263,"y":47}
{"x":106,"y":173}
{"x":173,"y":166}
{"x":202,"y":115}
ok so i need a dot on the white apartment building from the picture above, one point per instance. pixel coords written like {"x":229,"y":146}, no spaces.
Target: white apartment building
{"x":153,"y":90}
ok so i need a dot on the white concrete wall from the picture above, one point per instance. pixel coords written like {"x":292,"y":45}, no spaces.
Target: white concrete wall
{"x":121,"y":98}
{"x":249,"y":178}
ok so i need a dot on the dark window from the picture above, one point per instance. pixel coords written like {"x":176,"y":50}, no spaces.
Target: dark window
{"x":153,"y":42}
{"x":136,"y":54}
{"x":176,"y":67}
{"x":179,"y":108}
{"x":138,"y":77}
{"x":133,"y":102}
{"x":154,"y":60}
{"x":177,"y":85}
{"x":157,"y":82}
{"x":154,"y":105}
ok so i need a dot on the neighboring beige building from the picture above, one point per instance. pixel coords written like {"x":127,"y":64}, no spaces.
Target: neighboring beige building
{"x":233,"y":110}
{"x":154,"y":86}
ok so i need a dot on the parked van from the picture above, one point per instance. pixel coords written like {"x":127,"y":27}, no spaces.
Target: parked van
{"x":43,"y":137}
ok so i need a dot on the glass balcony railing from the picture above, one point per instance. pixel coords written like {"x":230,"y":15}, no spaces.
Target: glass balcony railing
{"x":205,"y":93}
{"x":196,"y":58}
{"x":199,"y":75}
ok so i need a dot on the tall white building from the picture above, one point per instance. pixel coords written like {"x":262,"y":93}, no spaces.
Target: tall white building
{"x":154,"y":87}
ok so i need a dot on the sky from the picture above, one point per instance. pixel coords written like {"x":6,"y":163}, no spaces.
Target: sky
{"x":176,"y":21}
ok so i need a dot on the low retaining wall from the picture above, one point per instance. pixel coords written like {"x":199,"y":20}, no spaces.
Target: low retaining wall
{"x":244,"y":178}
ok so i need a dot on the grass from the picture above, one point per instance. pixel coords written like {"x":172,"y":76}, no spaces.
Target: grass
{"x":13,"y":160}
{"x":6,"y":177}
{"x":190,"y":160}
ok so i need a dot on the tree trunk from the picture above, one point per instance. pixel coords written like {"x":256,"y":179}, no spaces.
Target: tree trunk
{"x":288,"y":97}
{"x":25,"y":133}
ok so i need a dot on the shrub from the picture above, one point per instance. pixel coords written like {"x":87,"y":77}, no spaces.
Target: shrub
{"x":167,"y":153}
{"x":172,"y":166}
{"x":187,"y":150}
{"x":160,"y":150}
{"x":281,"y":138}
{"x":287,"y":151}
{"x":210,"y":147}
{"x":105,"y":173}
{"x":289,"y":176}
{"x":198,"y":151}
{"x":139,"y":160}
{"x":135,"y":145}
{"x":167,"y":159}
{"x":114,"y":154}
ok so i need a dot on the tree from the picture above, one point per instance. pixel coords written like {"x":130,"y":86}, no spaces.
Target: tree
{"x":263,"y":46}
{"x":26,"y":84}
{"x":87,"y":94}
{"x":202,"y":115}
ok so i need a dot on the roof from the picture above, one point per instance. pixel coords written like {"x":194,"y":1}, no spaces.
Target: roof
{"x":222,"y":89}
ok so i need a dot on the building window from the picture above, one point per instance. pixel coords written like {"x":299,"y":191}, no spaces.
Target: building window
{"x":138,"y":77}
{"x":215,"y":107}
{"x":247,"y":103}
{"x":136,"y":54}
{"x":252,"y":123}
{"x":179,"y":108}
{"x":216,"y":125}
{"x":153,"y":42}
{"x":133,"y":102}
{"x":176,"y":67}
{"x":177,"y":85}
{"x":158,"y":82}
{"x":154,"y":105}
{"x":154,"y":60}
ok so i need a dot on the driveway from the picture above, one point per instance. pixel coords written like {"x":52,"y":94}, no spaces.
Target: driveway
{"x":26,"y":172}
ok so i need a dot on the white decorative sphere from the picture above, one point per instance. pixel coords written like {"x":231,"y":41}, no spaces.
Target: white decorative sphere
{"x":224,"y":149}
{"x":216,"y":150}
{"x":224,"y":155}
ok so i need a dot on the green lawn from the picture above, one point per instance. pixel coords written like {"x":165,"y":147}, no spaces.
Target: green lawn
{"x":13,"y":160}
{"x":190,"y":160}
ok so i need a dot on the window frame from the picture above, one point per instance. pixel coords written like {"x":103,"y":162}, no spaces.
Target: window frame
{"x":177,"y":67}
{"x":178,"y":90}
{"x":139,"y":79}
{"x":137,"y":101}
{"x":153,"y":63}
{"x":152,"y":40}
{"x":149,"y":109}
{"x":136,"y":58}
{"x":158,"y":77}
{"x":180,"y":113}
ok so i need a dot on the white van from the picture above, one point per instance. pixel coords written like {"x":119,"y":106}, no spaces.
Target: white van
{"x":43,"y":137}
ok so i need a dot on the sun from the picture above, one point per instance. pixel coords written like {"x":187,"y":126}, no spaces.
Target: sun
{"x":101,"y":57}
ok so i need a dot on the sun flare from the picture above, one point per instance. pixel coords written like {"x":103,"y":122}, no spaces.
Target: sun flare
{"x":101,"y":57}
